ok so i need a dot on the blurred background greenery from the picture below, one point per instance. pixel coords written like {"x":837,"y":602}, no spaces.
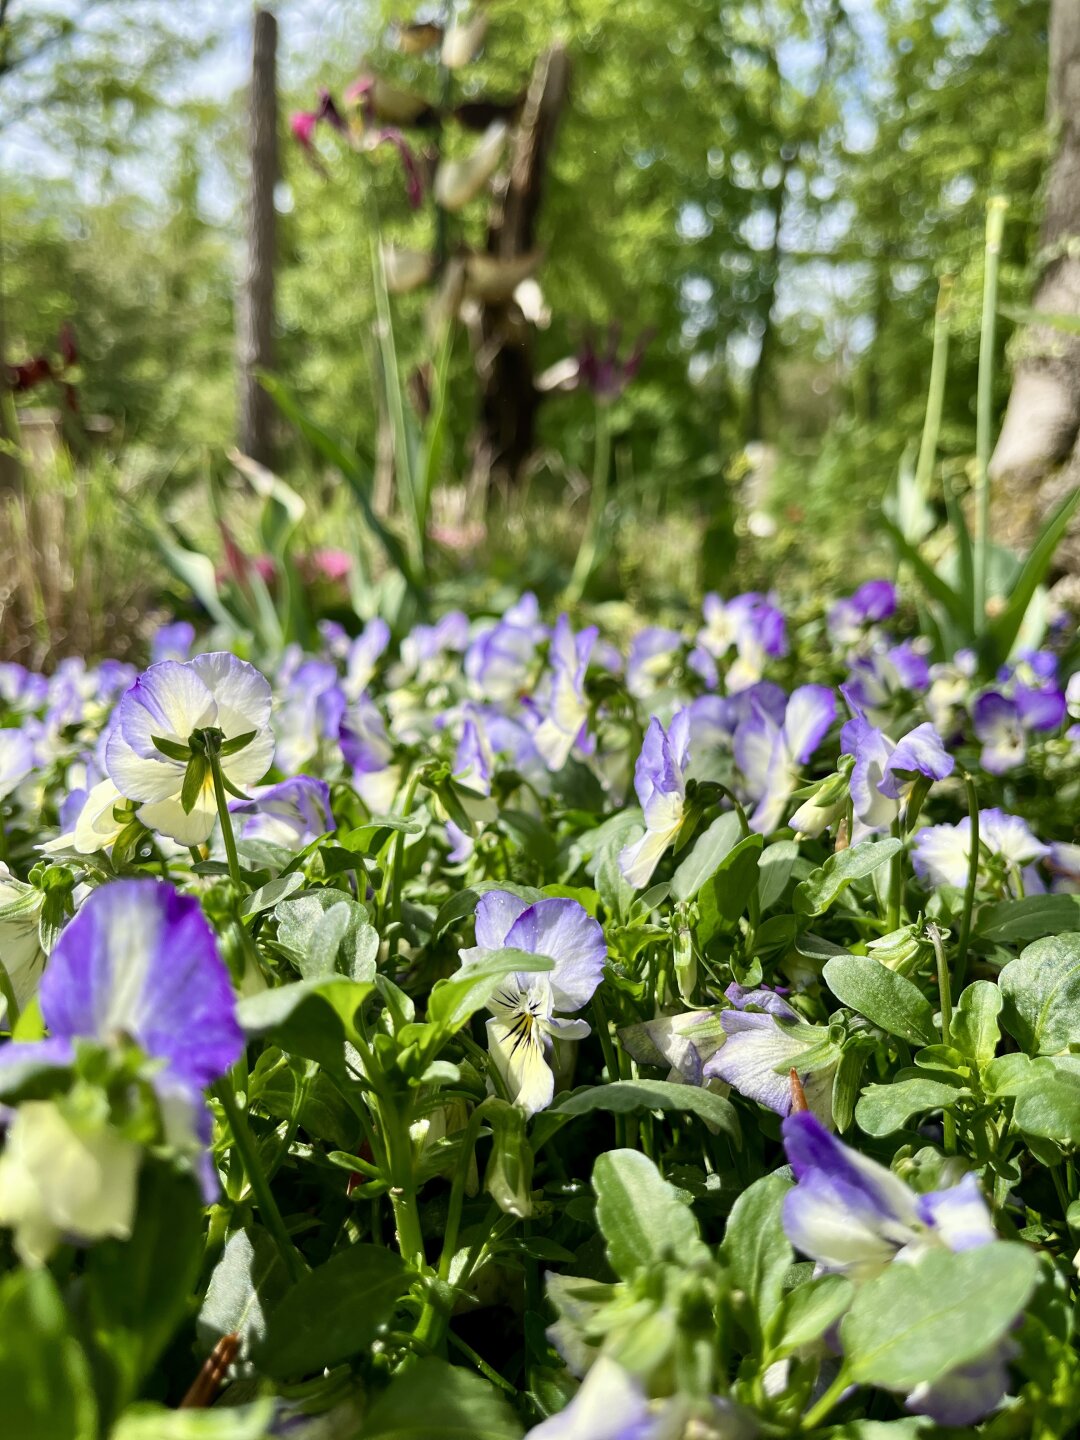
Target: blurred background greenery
{"x":767,"y":192}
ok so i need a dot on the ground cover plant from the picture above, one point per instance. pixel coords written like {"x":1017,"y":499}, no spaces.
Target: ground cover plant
{"x":499,"y":1030}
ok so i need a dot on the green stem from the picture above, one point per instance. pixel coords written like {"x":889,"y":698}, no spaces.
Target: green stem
{"x":972,"y":881}
{"x":226,"y":821}
{"x":945,"y":998}
{"x":896,"y":881}
{"x":817,"y":1412}
{"x":935,"y":399}
{"x":995,"y":227}
{"x":260,"y":1188}
{"x":590,"y":542}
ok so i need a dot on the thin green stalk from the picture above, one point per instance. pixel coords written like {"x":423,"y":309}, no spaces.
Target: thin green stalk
{"x":896,"y":882}
{"x":590,"y":541}
{"x":817,"y":1412}
{"x":945,"y":999}
{"x":260,"y":1188}
{"x":972,"y":881}
{"x":226,"y":820}
{"x":935,"y":399}
{"x":995,"y":228}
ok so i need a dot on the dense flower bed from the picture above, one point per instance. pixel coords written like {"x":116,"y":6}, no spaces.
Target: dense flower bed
{"x":502,"y":1032}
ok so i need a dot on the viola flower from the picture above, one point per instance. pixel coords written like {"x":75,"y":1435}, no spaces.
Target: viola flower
{"x":660,"y":783}
{"x":309,"y":714}
{"x":610,"y":1404}
{"x":885,"y":771}
{"x":425,"y":650}
{"x":769,"y":754}
{"x":1002,"y":722}
{"x":950,"y":686}
{"x":855,"y":1218}
{"x":872,"y":602}
{"x":525,"y":1024}
{"x":369,"y":752}
{"x":765,"y":1044}
{"x":138,"y":965}
{"x":291,"y":814}
{"x":499,"y":660}
{"x":883,"y":675}
{"x":653,"y":656}
{"x":363,"y":656}
{"x":683,"y":1042}
{"x":565,"y":708}
{"x":172,"y":642}
{"x":16,"y":760}
{"x":171,"y":713}
{"x":751,"y":624}
{"x":92,"y":820}
{"x":941,"y":853}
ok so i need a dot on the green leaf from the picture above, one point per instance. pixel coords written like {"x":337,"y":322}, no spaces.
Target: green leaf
{"x":1004,"y":628}
{"x":195,"y":776}
{"x":1041,"y":995}
{"x":884,"y":1109}
{"x":888,"y":1000}
{"x":806,"y":1312}
{"x":44,"y":1377}
{"x":1032,"y":918}
{"x":172,"y":748}
{"x":1050,"y":1108}
{"x":620,"y":1097}
{"x":224,"y":1422}
{"x":334,"y":1313}
{"x":727,"y":892}
{"x":774,"y":871}
{"x":641,"y":1216}
{"x":452,"y":1001}
{"x":912,"y":1324}
{"x":433,"y":1399}
{"x":950,"y":600}
{"x":975,"y":1031}
{"x":327,"y":930}
{"x":308,"y":1018}
{"x":756,"y":1251}
{"x":710,"y":848}
{"x":248,"y":1282}
{"x":137,"y":1289}
{"x":819,"y":891}
{"x":271,"y":894}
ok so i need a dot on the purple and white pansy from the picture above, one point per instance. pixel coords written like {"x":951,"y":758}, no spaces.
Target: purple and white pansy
{"x":563,"y":707}
{"x":524,"y":1021}
{"x":770,"y":752}
{"x":172,"y":703}
{"x":137,"y":966}
{"x":660,"y":783}
{"x":855,"y":1218}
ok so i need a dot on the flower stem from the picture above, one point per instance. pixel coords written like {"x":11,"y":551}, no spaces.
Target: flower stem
{"x":945,"y":998}
{"x":590,"y":541}
{"x":972,"y":881}
{"x":226,"y":820}
{"x":995,"y":227}
{"x":256,"y":1176}
{"x":817,"y":1412}
{"x":896,"y":882}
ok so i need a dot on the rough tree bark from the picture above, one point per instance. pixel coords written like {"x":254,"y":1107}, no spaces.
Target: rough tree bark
{"x":255,"y":308}
{"x":504,"y":360}
{"x":1042,"y":421}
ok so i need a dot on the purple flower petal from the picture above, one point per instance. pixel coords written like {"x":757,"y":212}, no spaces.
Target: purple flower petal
{"x":139,"y":959}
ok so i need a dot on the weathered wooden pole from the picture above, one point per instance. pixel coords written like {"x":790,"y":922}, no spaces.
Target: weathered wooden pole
{"x":255,"y":308}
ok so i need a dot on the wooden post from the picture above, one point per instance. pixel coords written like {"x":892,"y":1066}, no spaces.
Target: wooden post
{"x":255,"y":308}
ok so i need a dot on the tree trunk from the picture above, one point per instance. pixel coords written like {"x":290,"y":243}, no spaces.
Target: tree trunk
{"x":509,"y":399}
{"x":255,"y":311}
{"x":1042,"y":420}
